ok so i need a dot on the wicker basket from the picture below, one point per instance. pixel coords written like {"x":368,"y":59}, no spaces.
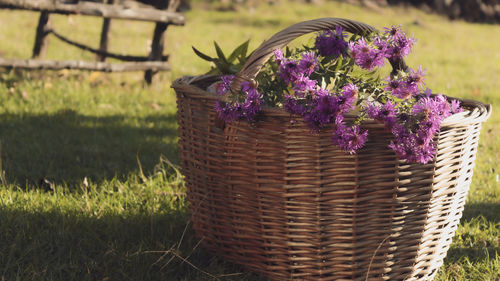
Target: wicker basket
{"x":281,"y":201}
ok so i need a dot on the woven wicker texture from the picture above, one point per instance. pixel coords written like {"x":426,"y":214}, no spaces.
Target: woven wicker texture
{"x":281,"y":201}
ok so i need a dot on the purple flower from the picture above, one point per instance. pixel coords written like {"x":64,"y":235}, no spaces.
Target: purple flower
{"x":430,"y":112}
{"x":279,"y":57}
{"x":414,"y":134}
{"x":227,"y":112}
{"x":339,"y":119}
{"x":253,"y":101}
{"x":225,"y":85}
{"x":349,"y":139}
{"x":249,"y":108}
{"x":288,"y":70}
{"x":366,"y":56}
{"x":401,"y":88}
{"x":303,"y":84}
{"x":416,"y":77}
{"x":437,"y":107}
{"x":395,"y":42}
{"x":402,"y":47}
{"x":414,"y":148}
{"x":308,"y":63}
{"x":428,"y":109}
{"x":386,"y":113}
{"x":393,"y":32}
{"x":347,"y":97}
{"x":324,"y":108}
{"x":455,"y":107}
{"x":393,"y":84}
{"x":372,"y":110}
{"x":293,"y":106}
{"x":331,"y":43}
{"x":428,"y":92}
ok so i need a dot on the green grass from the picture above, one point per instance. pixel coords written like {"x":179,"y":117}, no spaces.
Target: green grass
{"x":116,"y":208}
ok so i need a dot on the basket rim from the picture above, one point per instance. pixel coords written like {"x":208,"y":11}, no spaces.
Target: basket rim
{"x":477,"y":112}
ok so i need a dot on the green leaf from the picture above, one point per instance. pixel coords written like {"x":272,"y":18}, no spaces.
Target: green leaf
{"x":220,"y":54}
{"x":239,"y":52}
{"x":233,"y":69}
{"x":213,"y":71}
{"x":202,"y":55}
{"x":338,"y":65}
{"x":223,"y":67}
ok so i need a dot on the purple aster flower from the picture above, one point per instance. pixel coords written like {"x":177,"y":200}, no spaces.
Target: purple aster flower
{"x":428,"y":92}
{"x":347,"y":97}
{"x":400,"y":88}
{"x":380,"y":43}
{"x":398,"y":45}
{"x":372,"y":110}
{"x":293,"y":106}
{"x":323,"y":109}
{"x":404,"y":46}
{"x":436,"y":107}
{"x":225,"y":85}
{"x":278,"y":56}
{"x":253,"y":101}
{"x":288,"y":70}
{"x":349,"y":139}
{"x":232,"y":111}
{"x":414,"y":148}
{"x":427,"y":109}
{"x":383,"y":46}
{"x":339,"y":119}
{"x":414,"y":135}
{"x":303,"y":84}
{"x":393,"y":32}
{"x":331,"y":43}
{"x":392,"y":84}
{"x":308,"y":63}
{"x":366,"y":56}
{"x":386,"y":113}
{"x":410,"y":90}
{"x":227,"y":112}
{"x":416,"y":77}
{"x":455,"y":107}
{"x":429,"y":113}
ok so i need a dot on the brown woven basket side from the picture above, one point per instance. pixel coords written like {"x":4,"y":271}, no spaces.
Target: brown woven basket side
{"x":281,"y":201}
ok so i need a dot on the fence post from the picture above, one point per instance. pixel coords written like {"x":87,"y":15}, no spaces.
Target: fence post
{"x":158,"y":42}
{"x":41,"y":39}
{"x":103,"y":43}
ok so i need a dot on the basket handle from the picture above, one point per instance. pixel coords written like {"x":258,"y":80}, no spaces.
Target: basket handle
{"x":262,"y":54}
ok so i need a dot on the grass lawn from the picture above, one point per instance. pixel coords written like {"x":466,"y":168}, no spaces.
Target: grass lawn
{"x":90,"y":184}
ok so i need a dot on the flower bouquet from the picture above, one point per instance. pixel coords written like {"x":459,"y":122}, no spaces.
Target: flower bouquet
{"x":310,"y":164}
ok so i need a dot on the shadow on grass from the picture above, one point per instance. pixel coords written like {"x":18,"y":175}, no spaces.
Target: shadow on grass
{"x":75,"y":246}
{"x":490,"y":211}
{"x":67,"y":146}
{"x":475,"y":254}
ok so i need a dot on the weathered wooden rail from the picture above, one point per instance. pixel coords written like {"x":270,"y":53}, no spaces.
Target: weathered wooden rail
{"x":151,"y":64}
